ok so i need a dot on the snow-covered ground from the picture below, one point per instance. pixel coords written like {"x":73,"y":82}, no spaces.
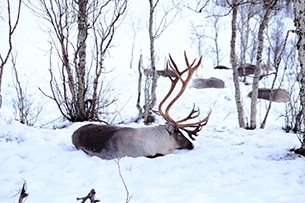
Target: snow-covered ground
{"x":228,"y":164}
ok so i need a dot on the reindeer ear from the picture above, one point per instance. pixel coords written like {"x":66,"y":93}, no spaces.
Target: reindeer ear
{"x":170,"y":127}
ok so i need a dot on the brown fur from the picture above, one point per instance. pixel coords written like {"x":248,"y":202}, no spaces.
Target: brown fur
{"x":208,"y":83}
{"x":166,"y":73}
{"x":222,"y":67}
{"x":279,"y":95}
{"x":163,"y":73}
{"x":246,"y":69}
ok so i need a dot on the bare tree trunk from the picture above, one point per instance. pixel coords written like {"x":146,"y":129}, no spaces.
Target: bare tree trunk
{"x":246,"y":13}
{"x":11,"y":29}
{"x":299,"y":20}
{"x":152,"y":52}
{"x":268,"y":6}
{"x":240,"y":110}
{"x":140,"y":66}
{"x":80,"y":54}
{"x":215,"y":38}
{"x":23,"y":105}
{"x":151,"y":101}
{"x":154,"y":32}
{"x":277,"y":64}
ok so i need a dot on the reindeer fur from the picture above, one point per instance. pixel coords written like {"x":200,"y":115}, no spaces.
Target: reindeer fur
{"x":110,"y":142}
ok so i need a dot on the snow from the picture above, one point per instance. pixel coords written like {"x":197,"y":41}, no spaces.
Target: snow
{"x":228,"y":164}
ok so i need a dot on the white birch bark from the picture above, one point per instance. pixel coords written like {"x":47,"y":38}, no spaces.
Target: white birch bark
{"x":299,"y":20}
{"x":239,"y":105}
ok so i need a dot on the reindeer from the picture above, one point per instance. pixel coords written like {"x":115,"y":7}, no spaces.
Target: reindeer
{"x":164,"y":73}
{"x":222,"y":67}
{"x":247,"y":69}
{"x":275,"y":95}
{"x":211,"y":82}
{"x":110,"y":142}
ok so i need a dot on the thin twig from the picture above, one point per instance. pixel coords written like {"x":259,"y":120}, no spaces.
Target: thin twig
{"x":128,"y":197}
{"x":23,"y":193}
{"x":91,"y":196}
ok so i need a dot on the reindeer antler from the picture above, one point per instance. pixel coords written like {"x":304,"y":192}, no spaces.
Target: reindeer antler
{"x":195,"y":126}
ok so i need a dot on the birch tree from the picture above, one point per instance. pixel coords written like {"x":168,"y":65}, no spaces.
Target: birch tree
{"x":155,"y":29}
{"x":299,"y":21}
{"x":233,"y":59}
{"x":268,"y":7}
